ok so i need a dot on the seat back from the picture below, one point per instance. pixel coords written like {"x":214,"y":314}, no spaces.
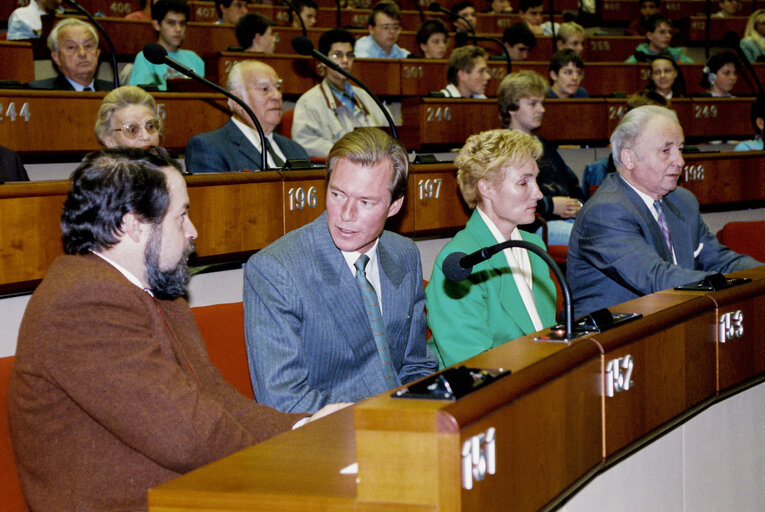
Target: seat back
{"x":10,"y":487}
{"x":745,"y":237}
{"x":285,"y":127}
{"x":222,"y":327}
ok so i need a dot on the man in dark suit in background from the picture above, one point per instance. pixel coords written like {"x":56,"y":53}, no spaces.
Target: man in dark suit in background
{"x":11,"y":168}
{"x":73,"y":46}
{"x":236,"y":146}
{"x":316,"y":333}
{"x":640,"y":233}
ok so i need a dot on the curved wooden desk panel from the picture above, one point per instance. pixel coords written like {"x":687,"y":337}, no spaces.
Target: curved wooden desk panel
{"x":54,"y":122}
{"x":239,"y":213}
{"x":446,"y":123}
{"x":554,"y":426}
{"x":18,"y":62}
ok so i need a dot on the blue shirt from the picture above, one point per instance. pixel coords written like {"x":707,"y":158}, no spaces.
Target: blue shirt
{"x":749,"y":145}
{"x":367,"y":47}
{"x":345,"y":97}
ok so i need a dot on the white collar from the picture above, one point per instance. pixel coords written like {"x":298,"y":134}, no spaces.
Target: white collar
{"x":125,"y":272}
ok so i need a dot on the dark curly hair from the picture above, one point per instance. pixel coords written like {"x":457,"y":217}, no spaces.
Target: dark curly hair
{"x":108,"y":184}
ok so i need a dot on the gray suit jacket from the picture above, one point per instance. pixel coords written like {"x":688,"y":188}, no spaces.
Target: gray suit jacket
{"x":309,"y":341}
{"x":227,"y":149}
{"x":617,"y":251}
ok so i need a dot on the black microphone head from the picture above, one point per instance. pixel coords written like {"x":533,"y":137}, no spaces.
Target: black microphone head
{"x":460,"y":38}
{"x":434,"y":7}
{"x":452,"y":269}
{"x":155,"y":53}
{"x":302,"y":45}
{"x":731,"y":39}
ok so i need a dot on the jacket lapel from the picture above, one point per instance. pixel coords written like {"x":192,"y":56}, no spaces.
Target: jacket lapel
{"x":647,"y":220}
{"x":510,"y":298}
{"x":342,"y":297}
{"x":681,"y":240}
{"x":245,"y":148}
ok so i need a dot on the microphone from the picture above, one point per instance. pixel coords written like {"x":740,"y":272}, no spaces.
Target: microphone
{"x":292,"y":8}
{"x":156,"y":54}
{"x":461,"y":38}
{"x":435,"y":7}
{"x":733,"y":41}
{"x":458,"y":266}
{"x":101,"y":30}
{"x":304,"y":46}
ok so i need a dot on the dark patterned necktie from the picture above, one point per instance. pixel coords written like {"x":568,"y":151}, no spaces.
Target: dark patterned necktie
{"x":663,"y":224}
{"x":278,"y":162}
{"x":372,"y":306}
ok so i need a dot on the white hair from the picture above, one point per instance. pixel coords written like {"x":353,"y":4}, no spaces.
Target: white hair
{"x":68,"y":22}
{"x":632,"y":126}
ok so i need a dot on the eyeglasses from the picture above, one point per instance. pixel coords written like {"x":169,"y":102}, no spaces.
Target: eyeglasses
{"x":132,"y":129}
{"x":391,"y":27}
{"x":338,"y":55}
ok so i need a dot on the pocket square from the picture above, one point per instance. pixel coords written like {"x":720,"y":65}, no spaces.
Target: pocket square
{"x":698,"y":250}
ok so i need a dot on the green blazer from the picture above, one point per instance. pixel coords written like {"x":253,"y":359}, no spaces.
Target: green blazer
{"x":485,"y":310}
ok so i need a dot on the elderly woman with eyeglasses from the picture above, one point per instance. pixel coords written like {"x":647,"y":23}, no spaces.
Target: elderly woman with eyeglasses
{"x":128,"y":117}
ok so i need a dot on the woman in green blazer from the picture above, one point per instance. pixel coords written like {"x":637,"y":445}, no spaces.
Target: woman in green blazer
{"x":511,"y":294}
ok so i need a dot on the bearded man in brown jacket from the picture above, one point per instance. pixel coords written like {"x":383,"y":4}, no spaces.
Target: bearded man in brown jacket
{"x":112,"y":391}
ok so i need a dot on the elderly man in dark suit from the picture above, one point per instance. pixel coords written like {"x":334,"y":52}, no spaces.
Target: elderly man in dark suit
{"x":112,"y":392}
{"x":237,"y":146}
{"x":334,"y":311}
{"x":73,"y":46}
{"x":640,"y":233}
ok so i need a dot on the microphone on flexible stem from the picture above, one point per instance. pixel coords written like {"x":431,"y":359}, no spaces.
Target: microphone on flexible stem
{"x":304,"y":46}
{"x":419,"y":9}
{"x":292,"y":8}
{"x":106,"y":38}
{"x":458,"y":266}
{"x":733,"y":41}
{"x":460,"y":38}
{"x":339,"y":16}
{"x":156,"y":54}
{"x":435,"y":7}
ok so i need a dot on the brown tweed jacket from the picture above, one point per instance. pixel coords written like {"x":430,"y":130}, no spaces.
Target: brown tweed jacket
{"x":112,"y":393}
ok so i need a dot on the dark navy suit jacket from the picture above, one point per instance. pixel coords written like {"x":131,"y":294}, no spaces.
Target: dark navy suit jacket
{"x":60,"y":83}
{"x":227,"y":149}
{"x":617,"y":251}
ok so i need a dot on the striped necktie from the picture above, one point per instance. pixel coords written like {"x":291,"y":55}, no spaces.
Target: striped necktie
{"x":372,"y":306}
{"x":663,"y":224}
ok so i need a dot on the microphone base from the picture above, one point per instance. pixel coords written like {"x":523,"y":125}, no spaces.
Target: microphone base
{"x":597,"y":321}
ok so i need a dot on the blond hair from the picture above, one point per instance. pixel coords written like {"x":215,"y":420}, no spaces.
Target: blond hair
{"x":514,"y":87}
{"x":486,"y":155}
{"x":368,"y":147}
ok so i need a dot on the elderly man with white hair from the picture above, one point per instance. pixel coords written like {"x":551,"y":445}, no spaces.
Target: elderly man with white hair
{"x":236,"y":146}
{"x":641,"y":233}
{"x":73,"y":46}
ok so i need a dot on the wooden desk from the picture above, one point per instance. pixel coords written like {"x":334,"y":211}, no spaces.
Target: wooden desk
{"x":562,"y":416}
{"x":717,"y":27}
{"x":62,"y":122}
{"x":446,"y":123}
{"x":627,"y":10}
{"x":18,"y":63}
{"x":722,"y":178}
